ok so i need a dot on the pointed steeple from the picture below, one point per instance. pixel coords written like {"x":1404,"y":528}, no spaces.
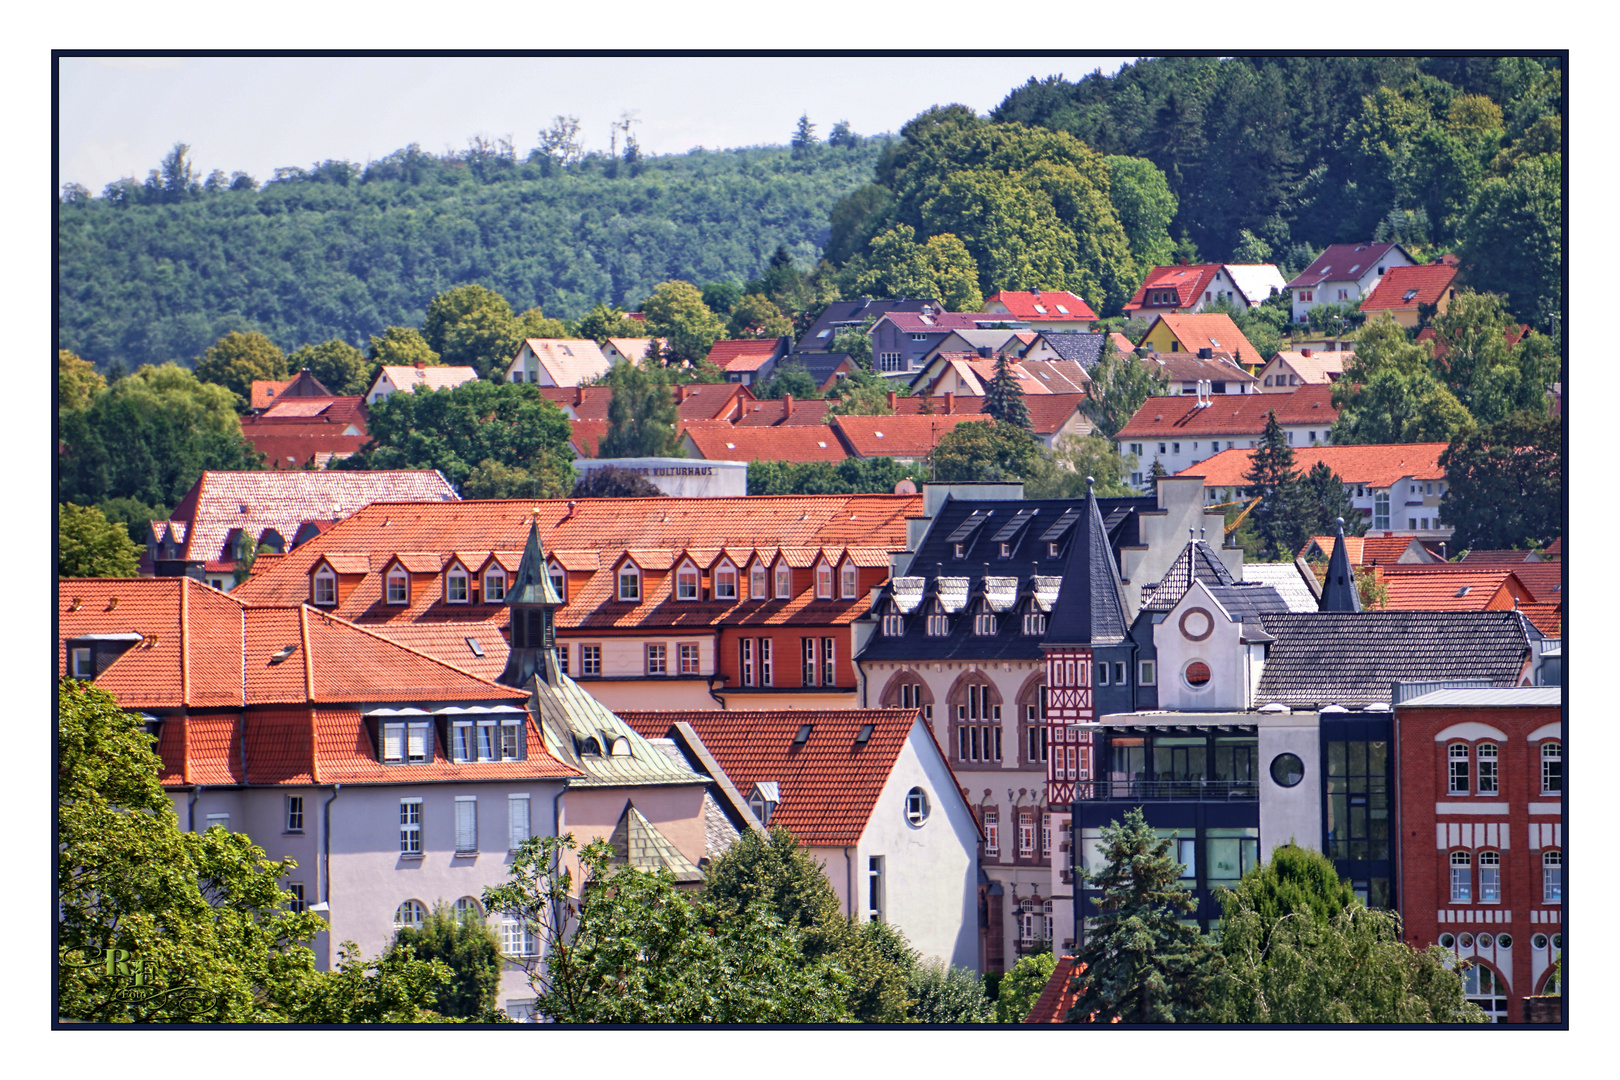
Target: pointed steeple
{"x":1339,"y":592}
{"x":532,"y":601}
{"x":1090,"y":608}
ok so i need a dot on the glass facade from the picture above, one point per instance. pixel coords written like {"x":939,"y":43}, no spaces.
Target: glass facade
{"x":1357,"y":785}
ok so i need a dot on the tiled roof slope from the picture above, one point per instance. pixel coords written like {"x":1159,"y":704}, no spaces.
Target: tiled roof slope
{"x":780,"y":412}
{"x":1377,"y":466}
{"x":569,"y":362}
{"x":854,"y":313}
{"x":331,"y":409}
{"x":783,"y":443}
{"x":1417,"y":587}
{"x":1341,"y":262}
{"x":1351,"y":659}
{"x":1058,"y":996}
{"x":1286,"y":580}
{"x":292,"y":446}
{"x":1058,"y":376}
{"x":637,"y":843}
{"x":1365,"y":550}
{"x":703,"y":401}
{"x":1190,"y":367}
{"x":1187,"y":281}
{"x":1212,"y":331}
{"x":745,"y":354}
{"x":255,"y":501}
{"x":1483,"y":557}
{"x":1426,"y":284}
{"x":1318,"y":368}
{"x":587,"y":435}
{"x":1545,"y":580}
{"x":1197,"y":561}
{"x":1037,"y":306}
{"x":581,"y":731}
{"x":1229,"y":414}
{"x":264,"y":391}
{"x":829,"y":785}
{"x":899,"y":436}
{"x":1081,"y":348}
{"x":432,"y":377}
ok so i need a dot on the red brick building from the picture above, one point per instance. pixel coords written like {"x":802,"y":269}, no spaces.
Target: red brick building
{"x":1480,"y":776}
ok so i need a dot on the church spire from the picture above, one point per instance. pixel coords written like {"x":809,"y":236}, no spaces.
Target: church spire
{"x":532,"y":601}
{"x":1090,"y":609}
{"x":1339,"y":592}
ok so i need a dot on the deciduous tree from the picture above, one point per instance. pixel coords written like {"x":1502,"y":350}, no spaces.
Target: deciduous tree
{"x":1119,"y":386}
{"x":984,"y":451}
{"x":472,"y":326}
{"x":1505,"y":483}
{"x":614,"y":483}
{"x":1061,"y":472}
{"x":755,"y":316}
{"x":1021,"y":987}
{"x":468,"y":948}
{"x":237,"y":359}
{"x":88,"y":545}
{"x":642,"y":417}
{"x":676,"y":311}
{"x":339,"y":366}
{"x":603,"y":322}
{"x":942,"y":993}
{"x":400,"y":346}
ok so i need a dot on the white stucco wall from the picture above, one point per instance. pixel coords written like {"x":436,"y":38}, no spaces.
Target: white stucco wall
{"x":1222,"y":650}
{"x":1293,"y":813}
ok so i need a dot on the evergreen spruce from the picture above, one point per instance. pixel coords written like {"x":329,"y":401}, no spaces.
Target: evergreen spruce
{"x":1142,"y":965}
{"x":641,"y":415}
{"x":1004,"y":400}
{"x":1271,"y":479}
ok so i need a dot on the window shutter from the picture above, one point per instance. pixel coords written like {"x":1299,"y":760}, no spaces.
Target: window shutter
{"x":467,"y":823}
{"x":418,"y":742}
{"x":517,"y":807}
{"x":391,"y":734}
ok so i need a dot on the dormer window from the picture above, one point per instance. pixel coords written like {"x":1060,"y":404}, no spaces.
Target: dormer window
{"x":407,"y":742}
{"x":399,"y":585}
{"x":938,"y":624}
{"x":984,"y":623}
{"x":1034,"y":624}
{"x":686,"y":582}
{"x":959,"y":550}
{"x":824,"y":582}
{"x":849,"y":583}
{"x":1051,"y":549}
{"x":559,"y":580}
{"x":894,"y":624}
{"x":1006,"y":549}
{"x":630,"y":583}
{"x":758,"y":587}
{"x":455,"y":585}
{"x":324,"y":590}
{"x":784,"y":581}
{"x":725,"y":581}
{"x":494,"y":585}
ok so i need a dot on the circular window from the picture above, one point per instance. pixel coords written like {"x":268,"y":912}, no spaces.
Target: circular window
{"x":1539,"y":941}
{"x":1485,"y":941}
{"x":1504,"y":941}
{"x":1197,"y":624}
{"x":916,"y":806}
{"x":1447,"y":941}
{"x":1287,"y":770}
{"x":1197,"y":674}
{"x":1468,"y":941}
{"x":1558,"y":941}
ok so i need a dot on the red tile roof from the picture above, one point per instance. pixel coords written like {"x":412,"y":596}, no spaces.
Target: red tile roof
{"x":745,"y":354}
{"x":1415,"y":587}
{"x":1485,"y":557}
{"x":1124,"y":344}
{"x":1036,"y":306}
{"x":1057,"y":996}
{"x":1403,"y":288}
{"x":1548,"y":618}
{"x":587,"y":434}
{"x":786,"y":442}
{"x":776,"y":413}
{"x":1362,"y":550}
{"x":1512,"y":335}
{"x":1378,"y":465}
{"x":900,"y":436}
{"x":1210,"y":331}
{"x":264,"y":391}
{"x":1342,"y":262}
{"x":1230,"y":414}
{"x":699,"y":401}
{"x":914,"y":322}
{"x":1187,"y":281}
{"x":829,"y":784}
{"x":1556,"y":548}
{"x":346,"y":409}
{"x":1545,"y":580}
{"x":293,"y":446}
{"x":1189,"y":367}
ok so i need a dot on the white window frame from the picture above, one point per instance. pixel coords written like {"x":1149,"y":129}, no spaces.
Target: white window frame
{"x":810,"y":668}
{"x":766,"y":678}
{"x":294,"y":814}
{"x":992,"y":833}
{"x":1462,"y":877}
{"x":466,"y":824}
{"x":517,"y":821}
{"x":745,"y":660}
{"x":874,"y":888}
{"x":628,"y":588}
{"x":590,"y":660}
{"x":84,"y":663}
{"x":397,"y":575}
{"x":1552,"y":752}
{"x":412,"y":914}
{"x":938,"y":624}
{"x":517,"y":937}
{"x":984,"y":624}
{"x":323,"y":589}
{"x":559,"y":579}
{"x":824,"y":580}
{"x":1026,"y":834}
{"x":457,"y":587}
{"x":1485,"y":758}
{"x":688,"y":582}
{"x":298,"y":902}
{"x":849,"y":580}
{"x":410,"y":828}
{"x":690,"y":658}
{"x":725,"y":581}
{"x":829,"y":666}
{"x":1145,"y":673}
{"x":917,"y":807}
{"x":894,"y":625}
{"x":1552,"y":877}
{"x":759,"y":582}
{"x":656,"y":655}
{"x":1490,"y":877}
{"x":1457,"y":769}
{"x":494,"y":585}
{"x":784,"y":581}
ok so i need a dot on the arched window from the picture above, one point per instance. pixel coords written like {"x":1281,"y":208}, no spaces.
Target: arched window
{"x":824,"y":581}
{"x":757,"y":584}
{"x":410,"y":914}
{"x":1490,"y":877}
{"x":906,"y":690}
{"x":559,"y":579}
{"x":399,"y":585}
{"x":784,"y":580}
{"x":468,"y":910}
{"x":1457,"y":766}
{"x":1552,"y":877}
{"x":1462,"y":876}
{"x":455,"y":584}
{"x":1485,"y":988}
{"x":1485,"y":761}
{"x":630,"y":583}
{"x":849,"y":579}
{"x":1032,"y":734}
{"x":494,"y":585}
{"x":325,"y":592}
{"x":686,"y":582}
{"x":1031,"y":923}
{"x":725,"y":581}
{"x":1552,"y":767}
{"x":975,"y":712}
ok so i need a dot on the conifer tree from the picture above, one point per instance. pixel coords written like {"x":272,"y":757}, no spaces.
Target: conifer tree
{"x":1271,"y":478}
{"x":1003,"y":398}
{"x":1142,"y":965}
{"x":641,"y":415}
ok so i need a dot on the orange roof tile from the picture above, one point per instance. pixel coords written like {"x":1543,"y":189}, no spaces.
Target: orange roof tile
{"x":1505,"y":557}
{"x":1548,"y":618}
{"x":1556,"y":548}
{"x":1403,"y":288}
{"x":280,"y":746}
{"x":1187,"y":281}
{"x":1039,"y":306}
{"x":746,"y":354}
{"x":828,"y":784}
{"x":213,"y":749}
{"x":345,"y":754}
{"x":784,"y":443}
{"x":775,"y":413}
{"x":1124,"y":344}
{"x":1211,"y":331}
{"x":900,"y":436}
{"x":1377,"y":466}
{"x":264,"y":391}
{"x":1545,"y":580}
{"x":588,"y":435}
{"x":1057,"y":996}
{"x":1419,"y":588}
{"x":1230,"y":414}
{"x":287,"y":446}
{"x":1383,"y":550}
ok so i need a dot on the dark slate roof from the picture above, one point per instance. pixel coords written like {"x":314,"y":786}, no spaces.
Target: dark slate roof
{"x":1028,"y":574}
{"x":1197,"y":560}
{"x":1083,"y":349}
{"x":1244,"y":600}
{"x":820,"y":365}
{"x":1339,"y":592}
{"x":1090,"y":609}
{"x":1351,"y":659}
{"x":855,"y":312}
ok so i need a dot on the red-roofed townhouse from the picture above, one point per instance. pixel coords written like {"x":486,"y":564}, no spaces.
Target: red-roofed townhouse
{"x":683,"y":602}
{"x":1396,"y":486}
{"x":785,"y":411}
{"x":1046,"y":310}
{"x":900,"y":339}
{"x":1202,"y":335}
{"x":1405,"y":292}
{"x":1181,"y":432}
{"x":227,"y":510}
{"x":1172,"y":290}
{"x":558,"y":362}
{"x":904,"y":438}
{"x":872,"y":798}
{"x":395,"y":780}
{"x":1306,"y":367}
{"x":749,"y":361}
{"x":1343,"y":274}
{"x":1480,"y":836}
{"x":266,"y":392}
{"x":693,"y":402}
{"x":396,"y":377}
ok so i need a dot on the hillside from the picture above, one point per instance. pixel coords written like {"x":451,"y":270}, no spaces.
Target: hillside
{"x":158,"y":272}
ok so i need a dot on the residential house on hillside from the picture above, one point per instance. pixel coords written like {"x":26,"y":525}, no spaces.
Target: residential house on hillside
{"x":693,"y":402}
{"x":1043,"y":310}
{"x":749,"y":361}
{"x":681,"y":603}
{"x":1397,"y":487}
{"x":225,"y":512}
{"x":300,"y":431}
{"x":1051,"y":416}
{"x":1195,"y":333}
{"x":988,"y":344}
{"x":558,"y":362}
{"x":1206,"y":372}
{"x":620,"y":349}
{"x":826,"y":369}
{"x":870,"y":795}
{"x":393,"y":378}
{"x":1082,"y":349}
{"x":904,"y":438}
{"x":1372,"y":550}
{"x":1404,"y":293}
{"x":395,"y":780}
{"x":1179,"y":432}
{"x":1343,"y":274}
{"x":856,"y":315}
{"x":1175,"y":290}
{"x":785,"y":411}
{"x":901,"y":339}
{"x":1306,"y":367}
{"x":266,"y":392}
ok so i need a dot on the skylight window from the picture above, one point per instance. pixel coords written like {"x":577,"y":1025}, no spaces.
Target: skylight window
{"x":1062,"y":309}
{"x":1411,"y":294}
{"x":1465,"y":590}
{"x":472,"y":643}
{"x":803,"y":735}
{"x":864,"y":735}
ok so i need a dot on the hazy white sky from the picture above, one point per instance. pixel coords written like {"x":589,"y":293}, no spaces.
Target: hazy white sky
{"x":120,"y":115}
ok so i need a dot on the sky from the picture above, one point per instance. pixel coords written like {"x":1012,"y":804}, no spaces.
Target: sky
{"x":120,"y":115}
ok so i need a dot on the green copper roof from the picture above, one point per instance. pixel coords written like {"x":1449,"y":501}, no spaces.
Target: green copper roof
{"x":532,"y":584}
{"x":638,"y":843}
{"x":585,"y":733}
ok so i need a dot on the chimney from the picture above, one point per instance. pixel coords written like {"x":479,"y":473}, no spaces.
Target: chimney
{"x":950,"y":402}
{"x":1206,"y":354}
{"x":680,"y":393}
{"x":579,"y":394}
{"x":1304,"y":352}
{"x":787,"y":406}
{"x":421,"y":364}
{"x":893,"y":397}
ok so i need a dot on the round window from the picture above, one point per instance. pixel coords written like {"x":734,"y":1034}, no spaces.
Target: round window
{"x":916,"y":806}
{"x":1558,"y":941}
{"x":1504,"y":941}
{"x":1197,"y":674}
{"x":1468,"y":941}
{"x":1447,"y":941}
{"x":1539,"y":941}
{"x":1485,"y":941}
{"x":1197,"y":624}
{"x":1287,"y":770}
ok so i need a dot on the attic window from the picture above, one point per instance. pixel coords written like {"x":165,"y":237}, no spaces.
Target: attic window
{"x":559,"y":580}
{"x":472,"y":643}
{"x":824,"y":582}
{"x":1410,"y":294}
{"x":849,"y":580}
{"x":686,"y":582}
{"x":803,"y":734}
{"x":1465,"y":590}
{"x":399,"y":585}
{"x":455,"y":585}
{"x":283,"y":653}
{"x":494,"y":585}
{"x":784,"y":581}
{"x":1062,"y":309}
{"x":324,"y":589}
{"x":863,"y":736}
{"x":630,"y":582}
{"x":725,"y":581}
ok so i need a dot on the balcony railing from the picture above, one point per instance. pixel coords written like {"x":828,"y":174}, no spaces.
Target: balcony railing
{"x":1169,"y":791}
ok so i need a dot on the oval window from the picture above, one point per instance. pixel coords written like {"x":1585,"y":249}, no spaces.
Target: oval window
{"x":1539,"y":941}
{"x":1287,"y":770}
{"x":1485,"y":941}
{"x":917,"y":806}
{"x":1504,"y":941}
{"x":1468,"y":941}
{"x":1197,"y":674}
{"x":1447,"y":941}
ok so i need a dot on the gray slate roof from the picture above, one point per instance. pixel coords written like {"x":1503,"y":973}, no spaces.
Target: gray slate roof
{"x":1083,"y":349}
{"x":1090,"y":608}
{"x":1350,"y":659}
{"x":582,"y":731}
{"x":1196,"y":561}
{"x":1510,"y":697}
{"x":1245,"y":600}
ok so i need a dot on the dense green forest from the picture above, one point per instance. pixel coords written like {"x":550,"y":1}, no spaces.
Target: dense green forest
{"x":157,"y":271}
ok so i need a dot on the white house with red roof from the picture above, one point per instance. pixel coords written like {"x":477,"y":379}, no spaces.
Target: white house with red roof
{"x":1302,"y":367}
{"x":1044,"y":309}
{"x":558,"y":362}
{"x":870,"y":795}
{"x":1180,"y":432}
{"x":1184,"y":290}
{"x":1343,"y":274}
{"x":1404,"y":292}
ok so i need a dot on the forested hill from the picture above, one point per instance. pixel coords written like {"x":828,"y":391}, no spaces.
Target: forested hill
{"x":159,"y":271}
